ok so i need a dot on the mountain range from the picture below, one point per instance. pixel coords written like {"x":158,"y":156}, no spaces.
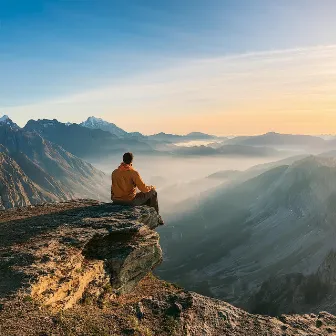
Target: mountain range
{"x":269,"y":139}
{"x":173,"y":138}
{"x":266,"y":244}
{"x":85,"y":142}
{"x":96,"y":138}
{"x":98,"y":123}
{"x":263,"y":145}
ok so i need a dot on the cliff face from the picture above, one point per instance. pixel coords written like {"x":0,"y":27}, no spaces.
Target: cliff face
{"x":83,"y":268}
{"x":61,"y":253}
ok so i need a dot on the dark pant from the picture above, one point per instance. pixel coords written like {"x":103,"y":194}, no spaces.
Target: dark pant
{"x":149,"y":198}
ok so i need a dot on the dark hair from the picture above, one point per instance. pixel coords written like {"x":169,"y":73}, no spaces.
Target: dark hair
{"x":128,"y":158}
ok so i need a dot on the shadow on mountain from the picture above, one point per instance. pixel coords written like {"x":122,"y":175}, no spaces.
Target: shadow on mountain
{"x":264,"y":244}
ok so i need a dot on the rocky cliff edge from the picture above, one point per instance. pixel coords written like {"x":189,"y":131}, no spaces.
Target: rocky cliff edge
{"x":84,"y":268}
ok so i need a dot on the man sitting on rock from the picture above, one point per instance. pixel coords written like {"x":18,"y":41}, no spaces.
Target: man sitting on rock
{"x":126,"y":180}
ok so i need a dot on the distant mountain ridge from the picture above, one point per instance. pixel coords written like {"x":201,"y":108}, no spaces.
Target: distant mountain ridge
{"x":200,"y":136}
{"x":277,"y":139}
{"x":96,"y":138}
{"x":98,"y":123}
{"x":82,"y":141}
{"x":228,"y":150}
{"x":166,"y":137}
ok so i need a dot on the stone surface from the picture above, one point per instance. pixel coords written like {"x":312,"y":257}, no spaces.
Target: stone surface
{"x":58,"y":254}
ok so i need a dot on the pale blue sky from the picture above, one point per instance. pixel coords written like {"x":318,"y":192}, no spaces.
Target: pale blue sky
{"x":52,"y":50}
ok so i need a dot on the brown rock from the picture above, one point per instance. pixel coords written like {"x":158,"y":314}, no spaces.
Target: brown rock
{"x":59,"y":253}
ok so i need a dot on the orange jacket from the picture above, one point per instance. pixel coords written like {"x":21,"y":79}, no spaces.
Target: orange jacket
{"x":125,"y":180}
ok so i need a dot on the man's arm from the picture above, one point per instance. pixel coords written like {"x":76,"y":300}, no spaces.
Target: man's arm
{"x":141,"y":184}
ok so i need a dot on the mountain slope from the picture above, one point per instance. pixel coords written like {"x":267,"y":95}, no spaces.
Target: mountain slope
{"x":54,"y":171}
{"x":17,"y":189}
{"x":281,"y":222}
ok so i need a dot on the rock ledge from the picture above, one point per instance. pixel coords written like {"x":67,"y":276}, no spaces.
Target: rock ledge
{"x":59,"y":254}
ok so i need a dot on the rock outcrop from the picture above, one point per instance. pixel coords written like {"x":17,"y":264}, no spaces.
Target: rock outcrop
{"x":83,"y":268}
{"x":59,"y":254}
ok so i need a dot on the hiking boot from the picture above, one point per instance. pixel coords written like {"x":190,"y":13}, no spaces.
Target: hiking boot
{"x":160,"y":220}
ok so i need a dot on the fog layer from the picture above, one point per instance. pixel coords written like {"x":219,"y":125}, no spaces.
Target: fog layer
{"x":180,"y":178}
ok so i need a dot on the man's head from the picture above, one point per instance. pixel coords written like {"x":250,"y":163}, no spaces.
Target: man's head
{"x":128,"y":158}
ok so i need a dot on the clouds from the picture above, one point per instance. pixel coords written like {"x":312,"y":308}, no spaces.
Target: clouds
{"x":201,"y":94}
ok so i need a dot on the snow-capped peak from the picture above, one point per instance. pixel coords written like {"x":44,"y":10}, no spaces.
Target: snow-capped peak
{"x":4,"y":118}
{"x":91,"y":121}
{"x":98,"y":123}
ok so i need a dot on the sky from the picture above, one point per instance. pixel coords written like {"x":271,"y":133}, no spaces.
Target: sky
{"x":226,"y":67}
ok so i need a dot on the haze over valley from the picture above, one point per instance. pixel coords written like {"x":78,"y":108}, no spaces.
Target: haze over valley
{"x":182,"y":167}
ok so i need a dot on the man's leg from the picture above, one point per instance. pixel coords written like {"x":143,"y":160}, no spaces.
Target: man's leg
{"x":153,"y":201}
{"x":149,"y":198}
